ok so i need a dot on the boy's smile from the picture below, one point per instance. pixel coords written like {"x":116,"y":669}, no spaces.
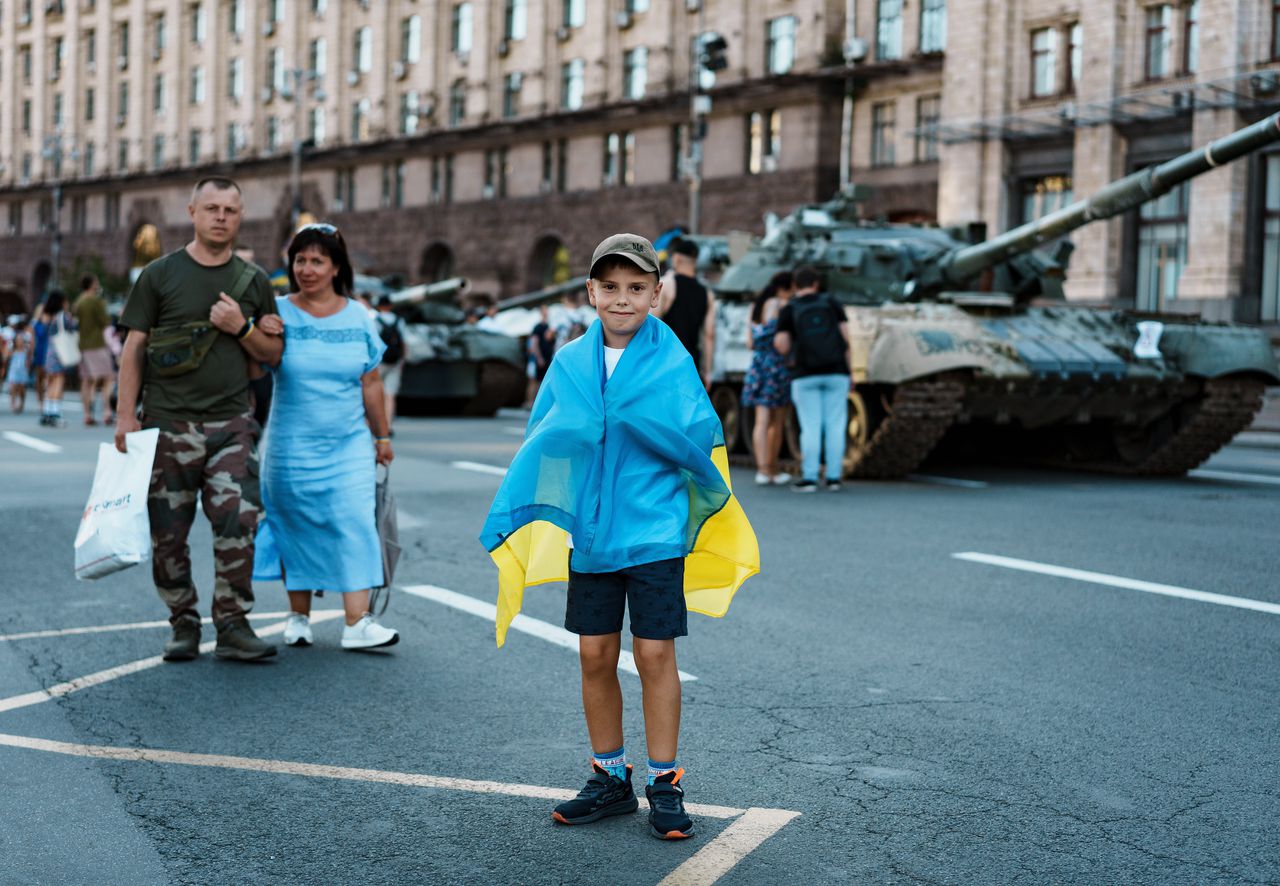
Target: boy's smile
{"x":623,"y":296}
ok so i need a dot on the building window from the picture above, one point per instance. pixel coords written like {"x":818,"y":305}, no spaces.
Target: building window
{"x":15,"y":218}
{"x":495,"y":173}
{"x":764,"y":141}
{"x":122,"y":102}
{"x":198,"y":23}
{"x":88,"y":159}
{"x":57,"y":111}
{"x":1162,"y":248}
{"x":160,"y":35}
{"x":1075,"y":55}
{"x":235,"y":140}
{"x":317,"y":57}
{"x":111,"y":212}
{"x":409,"y":119}
{"x":122,"y":46}
{"x":928,"y":113}
{"x":516,"y":19}
{"x":392,"y":185}
{"x":460,"y":35}
{"x":1159,"y":35}
{"x":273,"y":134}
{"x":435,"y":179}
{"x":275,"y":11}
{"x":157,"y":152}
{"x":448,"y":178}
{"x":457,"y":102}
{"x":1044,"y":61}
{"x":635,"y":78}
{"x":26,"y":116}
{"x":883,"y":133}
{"x":619,"y":159}
{"x":78,"y":220}
{"x":1275,"y":29}
{"x":511,"y":85}
{"x":157,"y":94}
{"x":933,"y":26}
{"x":780,"y":44}
{"x":575,"y":13}
{"x":193,"y":146}
{"x":411,"y":39}
{"x":26,"y":166}
{"x":122,"y":156}
{"x":1041,"y":196}
{"x":237,"y":17}
{"x":197,"y":85}
{"x":316,"y":127}
{"x":571,"y":84}
{"x":547,"y":182}
{"x":89,"y":95}
{"x":634,"y":6}
{"x":562,"y":165}
{"x":344,"y":190}
{"x":360,"y":111}
{"x":235,"y":79}
{"x":888,"y":29}
{"x":364,"y":50}
{"x":58,"y":52}
{"x":678,"y":140}
{"x":1271,"y":242}
{"x":318,"y":7}
{"x":1191,"y":38}
{"x":91,"y":47}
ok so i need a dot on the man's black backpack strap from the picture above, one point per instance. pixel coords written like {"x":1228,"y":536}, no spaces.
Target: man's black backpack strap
{"x":818,"y":342}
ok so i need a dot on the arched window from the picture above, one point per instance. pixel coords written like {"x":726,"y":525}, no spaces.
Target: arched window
{"x":437,"y":263}
{"x":549,"y":263}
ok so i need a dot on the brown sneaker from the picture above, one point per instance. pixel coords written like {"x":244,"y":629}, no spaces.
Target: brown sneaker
{"x":237,"y":641}
{"x":184,"y":645}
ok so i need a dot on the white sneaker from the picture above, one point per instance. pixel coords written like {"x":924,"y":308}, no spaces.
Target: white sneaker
{"x":780,"y":479}
{"x":763,"y":479}
{"x":297,"y":630}
{"x":368,"y":634}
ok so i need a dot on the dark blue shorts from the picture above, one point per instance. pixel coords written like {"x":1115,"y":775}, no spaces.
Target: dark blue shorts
{"x":654,"y":592}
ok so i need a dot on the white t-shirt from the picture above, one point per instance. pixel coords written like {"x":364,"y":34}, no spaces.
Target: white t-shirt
{"x":611,"y":358}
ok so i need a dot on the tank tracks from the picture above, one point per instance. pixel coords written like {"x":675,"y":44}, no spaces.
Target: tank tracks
{"x":1226,"y":408}
{"x":918,"y":416}
{"x":494,"y":388}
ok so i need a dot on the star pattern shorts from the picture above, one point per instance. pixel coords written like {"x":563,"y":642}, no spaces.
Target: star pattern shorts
{"x":654,"y":592}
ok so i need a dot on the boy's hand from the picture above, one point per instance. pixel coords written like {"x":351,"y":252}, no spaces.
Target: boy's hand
{"x":125,"y":424}
{"x":271,"y":324}
{"x":226,"y":315}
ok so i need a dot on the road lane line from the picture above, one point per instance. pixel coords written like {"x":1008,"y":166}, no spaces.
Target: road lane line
{"x":948,"y":481}
{"x":731,"y":846}
{"x":318,"y":770}
{"x":480,"y":468}
{"x":133,"y":626}
{"x":515,"y":432}
{"x":406,"y":520}
{"x":1235,"y":477}
{"x":99,"y":677}
{"x":524,"y":624}
{"x":1117,"y":581}
{"x":32,"y":442}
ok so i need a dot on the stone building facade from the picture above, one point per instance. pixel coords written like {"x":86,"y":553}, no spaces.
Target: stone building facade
{"x":497,"y":139}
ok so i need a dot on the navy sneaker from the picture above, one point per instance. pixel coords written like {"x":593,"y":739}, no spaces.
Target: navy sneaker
{"x":667,"y":818}
{"x":605,"y":794}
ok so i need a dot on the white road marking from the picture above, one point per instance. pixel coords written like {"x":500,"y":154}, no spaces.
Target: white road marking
{"x":733,"y":844}
{"x":1235,"y":477}
{"x":948,"y":481}
{"x":480,"y":468}
{"x":32,"y":442}
{"x":406,"y":520}
{"x":134,"y":626}
{"x":1116,"y":581}
{"x":524,"y":624}
{"x":96,"y":679}
{"x":515,"y":432}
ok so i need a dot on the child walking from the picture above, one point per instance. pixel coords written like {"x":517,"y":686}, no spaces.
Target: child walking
{"x":17,"y":372}
{"x":622,"y":488}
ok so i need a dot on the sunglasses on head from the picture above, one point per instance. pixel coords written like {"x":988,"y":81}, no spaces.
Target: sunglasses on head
{"x":322,"y":227}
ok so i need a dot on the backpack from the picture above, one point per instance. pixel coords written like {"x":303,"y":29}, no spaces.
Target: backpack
{"x":391,"y":337}
{"x":818,"y":342}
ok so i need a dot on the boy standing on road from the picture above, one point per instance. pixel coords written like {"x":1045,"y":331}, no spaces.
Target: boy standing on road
{"x":621,"y":487}
{"x":196,"y":318}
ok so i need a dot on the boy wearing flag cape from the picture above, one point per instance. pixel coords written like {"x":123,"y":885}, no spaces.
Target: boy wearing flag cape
{"x":622,"y":489}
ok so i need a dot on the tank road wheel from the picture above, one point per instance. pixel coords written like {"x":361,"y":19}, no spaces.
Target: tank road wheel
{"x":495,"y":388}
{"x":725,"y":401}
{"x":1191,"y":432}
{"x":903,"y":425}
{"x":860,"y":429}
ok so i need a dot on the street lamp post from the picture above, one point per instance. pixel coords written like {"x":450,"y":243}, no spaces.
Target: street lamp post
{"x":301,"y":77}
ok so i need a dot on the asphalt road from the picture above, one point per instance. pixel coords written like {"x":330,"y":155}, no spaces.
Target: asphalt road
{"x":931,"y":719}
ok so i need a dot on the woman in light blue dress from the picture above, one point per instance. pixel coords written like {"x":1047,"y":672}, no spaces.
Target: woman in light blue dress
{"x":328,"y":427}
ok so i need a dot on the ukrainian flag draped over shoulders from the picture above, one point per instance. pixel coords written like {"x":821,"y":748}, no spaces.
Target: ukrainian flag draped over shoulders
{"x":647,"y":449}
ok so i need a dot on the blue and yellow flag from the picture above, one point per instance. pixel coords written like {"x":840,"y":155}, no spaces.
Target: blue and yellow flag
{"x":633,"y":472}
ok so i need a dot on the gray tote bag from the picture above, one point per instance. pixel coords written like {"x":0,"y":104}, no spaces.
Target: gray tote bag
{"x":388,"y":535}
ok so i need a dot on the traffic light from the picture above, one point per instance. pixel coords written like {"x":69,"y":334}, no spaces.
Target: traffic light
{"x":713,"y":55}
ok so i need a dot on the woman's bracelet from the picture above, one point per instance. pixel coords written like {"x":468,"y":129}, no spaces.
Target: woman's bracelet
{"x":381,"y":439}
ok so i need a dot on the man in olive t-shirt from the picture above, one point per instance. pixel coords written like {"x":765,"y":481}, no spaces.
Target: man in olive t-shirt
{"x":96,"y":367}
{"x":208,"y":439}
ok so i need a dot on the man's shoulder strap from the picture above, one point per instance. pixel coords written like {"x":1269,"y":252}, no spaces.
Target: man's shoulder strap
{"x":244,"y":278}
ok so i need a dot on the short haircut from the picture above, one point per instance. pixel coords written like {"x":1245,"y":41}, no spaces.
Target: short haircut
{"x":221,"y":182}
{"x":328,"y":240}
{"x":615,"y":262}
{"x":686,"y":247}
{"x":384,"y":301}
{"x":87,"y":280}
{"x":808,"y":277}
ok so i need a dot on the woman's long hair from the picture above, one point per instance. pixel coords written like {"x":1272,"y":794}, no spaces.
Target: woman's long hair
{"x":330,"y":242}
{"x":54,"y":303}
{"x":780,"y":280}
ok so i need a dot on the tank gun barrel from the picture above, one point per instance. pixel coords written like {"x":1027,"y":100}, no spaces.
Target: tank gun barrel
{"x":1120,"y":196}
{"x":540,"y":296}
{"x":439,"y":291}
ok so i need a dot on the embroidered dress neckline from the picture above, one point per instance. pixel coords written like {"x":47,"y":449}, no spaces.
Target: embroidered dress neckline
{"x":344,"y":304}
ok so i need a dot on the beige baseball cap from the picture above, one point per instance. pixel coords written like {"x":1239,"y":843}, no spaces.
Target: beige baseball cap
{"x":630,"y":246}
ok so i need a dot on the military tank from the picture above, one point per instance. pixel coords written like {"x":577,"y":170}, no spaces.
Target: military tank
{"x":948,"y":334}
{"x":452,"y":367}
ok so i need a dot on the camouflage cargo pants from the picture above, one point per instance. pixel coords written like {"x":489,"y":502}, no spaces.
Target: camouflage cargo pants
{"x":218,"y":461}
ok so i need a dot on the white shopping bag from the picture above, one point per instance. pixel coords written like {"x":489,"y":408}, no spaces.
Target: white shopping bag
{"x":115,"y":531}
